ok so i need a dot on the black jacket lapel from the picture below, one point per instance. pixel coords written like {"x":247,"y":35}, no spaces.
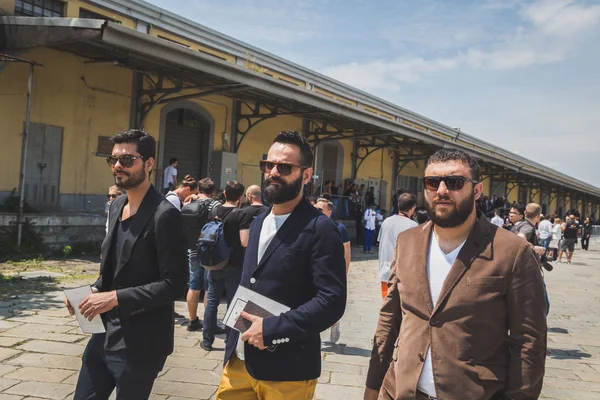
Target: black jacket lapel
{"x":140,"y":219}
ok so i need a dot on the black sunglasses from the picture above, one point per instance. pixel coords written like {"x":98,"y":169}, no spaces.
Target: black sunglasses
{"x":451,"y":182}
{"x":127,"y":160}
{"x":282,"y":167}
{"x":112,"y":196}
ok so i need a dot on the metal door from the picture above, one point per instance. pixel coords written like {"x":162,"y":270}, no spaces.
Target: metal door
{"x":42,"y":177}
{"x":374,"y":183}
{"x":382,"y":195}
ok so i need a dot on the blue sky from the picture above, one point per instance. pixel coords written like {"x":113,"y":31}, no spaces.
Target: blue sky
{"x":521,"y":74}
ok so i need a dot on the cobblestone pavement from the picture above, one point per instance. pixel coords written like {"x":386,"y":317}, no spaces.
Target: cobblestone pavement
{"x":41,"y":347}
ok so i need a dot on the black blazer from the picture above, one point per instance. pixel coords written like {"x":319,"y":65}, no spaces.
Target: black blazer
{"x":303,"y":267}
{"x":151,"y":275}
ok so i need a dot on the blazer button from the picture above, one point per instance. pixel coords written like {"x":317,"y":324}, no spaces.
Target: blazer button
{"x":434,"y":322}
{"x":421,"y":357}
{"x":252,"y":280}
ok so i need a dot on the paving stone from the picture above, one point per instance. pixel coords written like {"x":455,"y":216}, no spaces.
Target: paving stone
{"x":42,"y":319}
{"x":568,"y":394}
{"x":46,"y":361}
{"x":181,"y":389}
{"x":560,"y":373}
{"x":9,"y":341}
{"x":6,"y":383}
{"x":187,"y":342}
{"x":329,"y":392}
{"x":43,"y":346}
{"x":192,"y":352}
{"x":198,"y":363}
{"x":41,"y":328}
{"x":72,"y":380}
{"x":338,"y":367}
{"x":6,"y":369}
{"x":4,"y":396}
{"x":7,"y":353}
{"x":591,"y":376}
{"x":345,"y":379}
{"x":5,"y":325}
{"x":40,"y":374}
{"x":44,"y":390}
{"x":25,"y":333}
{"x":192,"y":376}
{"x":348,"y":359}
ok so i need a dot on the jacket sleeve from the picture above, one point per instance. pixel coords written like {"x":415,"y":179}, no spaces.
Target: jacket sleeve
{"x":171,"y":257}
{"x":388,"y":329}
{"x":527,"y":324}
{"x":328,"y":269}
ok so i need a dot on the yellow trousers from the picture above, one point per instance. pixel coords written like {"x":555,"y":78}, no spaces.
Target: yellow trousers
{"x":237,"y":384}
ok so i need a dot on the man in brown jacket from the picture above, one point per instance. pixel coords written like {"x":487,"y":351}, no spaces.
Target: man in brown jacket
{"x":465,"y":317}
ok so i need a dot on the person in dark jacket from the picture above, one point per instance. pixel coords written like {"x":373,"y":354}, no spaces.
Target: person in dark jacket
{"x":143,"y":271}
{"x":586,"y":233}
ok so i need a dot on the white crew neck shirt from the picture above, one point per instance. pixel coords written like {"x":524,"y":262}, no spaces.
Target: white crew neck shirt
{"x":438,"y":267}
{"x":270,"y":226}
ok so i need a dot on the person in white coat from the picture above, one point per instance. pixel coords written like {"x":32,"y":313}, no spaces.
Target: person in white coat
{"x":370,"y":217}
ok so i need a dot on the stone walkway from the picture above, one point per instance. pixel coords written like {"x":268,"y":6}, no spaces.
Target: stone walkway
{"x":41,"y":346}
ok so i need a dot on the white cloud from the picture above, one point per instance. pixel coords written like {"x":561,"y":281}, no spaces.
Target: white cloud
{"x":387,"y":75}
{"x":510,"y":58}
{"x":546,"y":36}
{"x":561,"y":17}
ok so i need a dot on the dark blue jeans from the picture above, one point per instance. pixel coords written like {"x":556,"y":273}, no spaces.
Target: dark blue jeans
{"x":102,"y":371}
{"x":369,"y":235}
{"x":227,"y":278}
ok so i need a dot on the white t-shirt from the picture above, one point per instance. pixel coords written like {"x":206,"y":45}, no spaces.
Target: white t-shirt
{"x":369,"y":217}
{"x":498,"y":221}
{"x":170,"y":173}
{"x":438,"y":267}
{"x":270,"y":226}
{"x":545,"y":229}
{"x":388,"y":234}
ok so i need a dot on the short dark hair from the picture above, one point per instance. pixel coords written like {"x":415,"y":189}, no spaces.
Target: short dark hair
{"x":520,"y":208}
{"x":295,"y":138}
{"x":144,"y":143}
{"x":451,"y":154}
{"x":206,"y":186}
{"x":173,"y":160}
{"x":406,"y":201}
{"x":422,"y":217}
{"x":234,"y":190}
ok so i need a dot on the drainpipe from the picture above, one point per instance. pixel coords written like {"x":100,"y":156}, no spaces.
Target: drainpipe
{"x":24,"y":158}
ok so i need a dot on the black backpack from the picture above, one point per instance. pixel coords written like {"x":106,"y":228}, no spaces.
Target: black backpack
{"x":195,"y":215}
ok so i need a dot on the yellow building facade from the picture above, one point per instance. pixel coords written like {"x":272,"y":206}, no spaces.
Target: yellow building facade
{"x":78,"y":102}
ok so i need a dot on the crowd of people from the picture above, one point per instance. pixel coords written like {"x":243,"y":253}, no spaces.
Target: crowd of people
{"x":447,"y":272}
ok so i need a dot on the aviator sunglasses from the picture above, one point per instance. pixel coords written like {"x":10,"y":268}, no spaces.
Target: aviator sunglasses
{"x":284,"y":168}
{"x":127,"y":160}
{"x":451,"y":182}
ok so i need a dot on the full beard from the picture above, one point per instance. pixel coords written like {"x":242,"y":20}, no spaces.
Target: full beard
{"x":130,"y":180}
{"x":453,"y":217}
{"x":282,"y":193}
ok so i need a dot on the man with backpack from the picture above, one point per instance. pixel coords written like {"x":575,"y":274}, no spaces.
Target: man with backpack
{"x":195,"y":215}
{"x":223,"y":262}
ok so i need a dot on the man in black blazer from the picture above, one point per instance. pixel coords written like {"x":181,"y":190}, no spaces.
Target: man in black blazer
{"x":294,"y":256}
{"x":143,"y":270}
